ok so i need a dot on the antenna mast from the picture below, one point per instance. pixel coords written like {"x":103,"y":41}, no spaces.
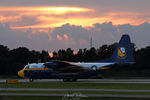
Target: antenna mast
{"x":91,"y":42}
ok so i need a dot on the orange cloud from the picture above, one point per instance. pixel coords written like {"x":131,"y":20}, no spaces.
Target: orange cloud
{"x":9,"y":18}
{"x":44,"y":10}
{"x":83,"y":42}
{"x":51,"y":54}
{"x":66,"y":37}
{"x":46,"y":16}
{"x":56,"y":22}
{"x":55,"y":16}
{"x":59,"y":37}
{"x":123,"y":18}
{"x":85,"y":22}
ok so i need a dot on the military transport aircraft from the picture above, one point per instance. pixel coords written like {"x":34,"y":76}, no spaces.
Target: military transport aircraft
{"x":70,"y":71}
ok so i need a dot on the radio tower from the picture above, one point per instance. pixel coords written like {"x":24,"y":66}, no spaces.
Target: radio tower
{"x":91,"y":42}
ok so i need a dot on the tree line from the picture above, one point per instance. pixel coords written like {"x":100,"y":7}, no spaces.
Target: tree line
{"x":11,"y":61}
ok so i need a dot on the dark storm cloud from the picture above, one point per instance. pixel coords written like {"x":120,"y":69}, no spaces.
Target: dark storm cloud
{"x":12,"y":38}
{"x":78,"y":37}
{"x":140,"y":34}
{"x":76,"y":32}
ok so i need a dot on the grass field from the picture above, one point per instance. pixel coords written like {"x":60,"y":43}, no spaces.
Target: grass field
{"x":69,"y":85}
{"x":73,"y":85}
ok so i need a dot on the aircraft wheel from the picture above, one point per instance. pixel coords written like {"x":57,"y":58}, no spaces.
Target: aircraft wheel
{"x":67,"y":80}
{"x":70,"y":80}
{"x":74,"y":80}
{"x":100,"y":76}
{"x":31,"y":79}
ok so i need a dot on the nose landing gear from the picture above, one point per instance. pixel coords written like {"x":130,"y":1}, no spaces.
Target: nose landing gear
{"x":31,"y":79}
{"x":70,"y":80}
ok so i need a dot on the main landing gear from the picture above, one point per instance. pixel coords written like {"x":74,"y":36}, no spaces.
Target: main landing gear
{"x":31,"y":79}
{"x":70,"y":80}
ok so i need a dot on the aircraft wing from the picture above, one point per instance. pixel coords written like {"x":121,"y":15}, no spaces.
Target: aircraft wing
{"x":62,"y":65}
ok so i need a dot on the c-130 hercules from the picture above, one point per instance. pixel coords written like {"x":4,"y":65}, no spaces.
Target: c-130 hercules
{"x":71,"y":71}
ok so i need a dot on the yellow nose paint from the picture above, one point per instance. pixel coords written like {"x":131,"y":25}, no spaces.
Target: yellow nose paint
{"x":21,"y":73}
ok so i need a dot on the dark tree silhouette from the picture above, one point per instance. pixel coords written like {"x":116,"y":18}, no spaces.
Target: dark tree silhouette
{"x":11,"y":61}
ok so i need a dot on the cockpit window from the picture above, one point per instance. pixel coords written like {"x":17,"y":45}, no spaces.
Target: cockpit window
{"x":34,"y":66}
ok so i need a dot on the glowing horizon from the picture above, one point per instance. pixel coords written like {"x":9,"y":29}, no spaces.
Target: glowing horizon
{"x":41,"y":17}
{"x":55,"y":24}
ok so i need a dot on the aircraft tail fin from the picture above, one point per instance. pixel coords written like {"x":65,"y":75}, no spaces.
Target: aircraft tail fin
{"x":123,"y":52}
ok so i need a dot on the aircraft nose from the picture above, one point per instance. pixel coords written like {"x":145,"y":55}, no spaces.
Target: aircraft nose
{"x":21,"y":73}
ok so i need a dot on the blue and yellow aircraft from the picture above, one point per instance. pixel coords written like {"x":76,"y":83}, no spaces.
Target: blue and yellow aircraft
{"x":70,"y":71}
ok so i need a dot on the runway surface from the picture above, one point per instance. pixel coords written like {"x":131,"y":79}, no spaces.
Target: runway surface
{"x":134,"y":81}
{"x":45,"y":89}
{"x":124,"y":81}
{"x":74,"y":95}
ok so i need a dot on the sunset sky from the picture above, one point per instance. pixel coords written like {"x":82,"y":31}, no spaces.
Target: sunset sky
{"x":60,"y":24}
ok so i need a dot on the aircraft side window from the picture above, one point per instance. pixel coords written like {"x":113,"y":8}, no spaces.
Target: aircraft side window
{"x":37,"y":66}
{"x":33,"y":66}
{"x":41,"y":66}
